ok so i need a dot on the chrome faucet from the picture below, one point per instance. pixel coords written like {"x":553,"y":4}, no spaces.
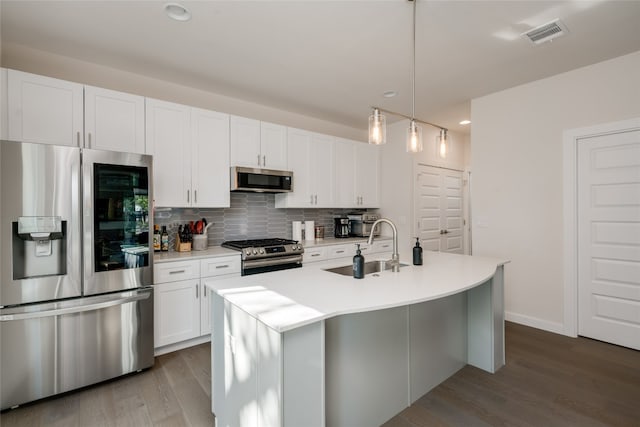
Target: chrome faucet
{"x":395,"y":257}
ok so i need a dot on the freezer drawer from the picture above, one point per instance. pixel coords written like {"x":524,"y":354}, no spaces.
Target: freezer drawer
{"x":56,"y":347}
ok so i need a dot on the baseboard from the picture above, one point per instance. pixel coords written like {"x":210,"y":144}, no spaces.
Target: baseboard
{"x":180,"y":345}
{"x":534,"y":322}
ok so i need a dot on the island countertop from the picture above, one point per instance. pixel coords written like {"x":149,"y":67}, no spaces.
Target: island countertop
{"x":285,"y":300}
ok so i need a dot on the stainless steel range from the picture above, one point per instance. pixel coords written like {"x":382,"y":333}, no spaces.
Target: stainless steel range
{"x":263,"y":255}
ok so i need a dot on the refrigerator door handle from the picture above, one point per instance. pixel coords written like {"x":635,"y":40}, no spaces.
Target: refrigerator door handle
{"x":77,"y":309}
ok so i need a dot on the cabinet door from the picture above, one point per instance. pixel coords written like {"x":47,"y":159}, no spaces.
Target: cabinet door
{"x":113,"y":120}
{"x":345,"y":174}
{"x":245,"y":142}
{"x":205,"y":310}
{"x":321,"y":166}
{"x":168,"y":140}
{"x":209,"y":158}
{"x":176,"y":312}
{"x":45,"y":110}
{"x":298,"y":155}
{"x":367,"y":178}
{"x":273,"y":146}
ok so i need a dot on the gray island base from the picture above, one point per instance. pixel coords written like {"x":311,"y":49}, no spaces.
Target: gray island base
{"x":306,"y":347}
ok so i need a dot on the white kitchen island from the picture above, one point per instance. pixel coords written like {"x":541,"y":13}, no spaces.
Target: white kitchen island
{"x":308,"y":347}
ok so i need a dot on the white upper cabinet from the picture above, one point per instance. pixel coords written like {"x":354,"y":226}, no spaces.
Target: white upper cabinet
{"x":345,"y":162}
{"x":168,"y":140}
{"x":190,"y":148}
{"x":43,"y":109}
{"x":258,"y":144}
{"x":209,"y":158}
{"x":53,"y":111}
{"x":367,"y":176}
{"x":310,"y":157}
{"x":113,"y":120}
{"x":357,"y":174}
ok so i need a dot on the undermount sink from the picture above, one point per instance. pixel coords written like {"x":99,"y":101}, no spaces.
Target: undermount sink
{"x":369,"y":267}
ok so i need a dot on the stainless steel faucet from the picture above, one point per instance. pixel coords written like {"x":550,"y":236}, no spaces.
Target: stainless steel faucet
{"x":395,"y":257}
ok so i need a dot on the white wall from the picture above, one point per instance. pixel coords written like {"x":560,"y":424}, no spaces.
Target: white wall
{"x":516,"y":156}
{"x":48,"y":64}
{"x":398,"y":179}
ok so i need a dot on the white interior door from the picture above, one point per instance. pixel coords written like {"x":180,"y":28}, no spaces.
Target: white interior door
{"x":609,"y":238}
{"x":438,"y":209}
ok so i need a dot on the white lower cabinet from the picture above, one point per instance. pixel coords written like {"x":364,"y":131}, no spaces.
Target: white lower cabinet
{"x":380,"y":247}
{"x":182,"y":302}
{"x":176,"y":312}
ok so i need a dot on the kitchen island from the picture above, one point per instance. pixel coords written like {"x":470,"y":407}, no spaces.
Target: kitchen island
{"x":308,"y":347}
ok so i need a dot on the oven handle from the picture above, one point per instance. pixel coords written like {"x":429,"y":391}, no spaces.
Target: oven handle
{"x":293,"y":259}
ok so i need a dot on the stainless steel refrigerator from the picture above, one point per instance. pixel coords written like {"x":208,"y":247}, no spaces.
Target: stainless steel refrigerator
{"x":76,"y":302}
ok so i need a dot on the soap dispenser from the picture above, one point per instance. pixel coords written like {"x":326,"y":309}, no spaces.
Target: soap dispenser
{"x":417,"y":253}
{"x":358,"y":264}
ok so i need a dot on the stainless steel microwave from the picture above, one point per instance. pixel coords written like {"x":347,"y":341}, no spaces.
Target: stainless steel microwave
{"x":261,"y":180}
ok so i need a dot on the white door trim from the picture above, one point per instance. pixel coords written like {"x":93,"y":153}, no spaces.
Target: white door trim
{"x":570,"y":211}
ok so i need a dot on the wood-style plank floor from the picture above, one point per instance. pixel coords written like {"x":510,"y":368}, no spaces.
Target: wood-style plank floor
{"x":549,"y":380}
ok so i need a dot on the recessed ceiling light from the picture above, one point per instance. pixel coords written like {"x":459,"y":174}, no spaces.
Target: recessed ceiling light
{"x":390,"y":94}
{"x":465,"y":122}
{"x":177,"y":12}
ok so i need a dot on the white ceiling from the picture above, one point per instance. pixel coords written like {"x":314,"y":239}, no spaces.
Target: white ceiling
{"x":332,"y":59}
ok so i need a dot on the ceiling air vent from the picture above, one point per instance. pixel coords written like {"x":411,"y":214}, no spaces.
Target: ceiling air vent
{"x":546,"y":32}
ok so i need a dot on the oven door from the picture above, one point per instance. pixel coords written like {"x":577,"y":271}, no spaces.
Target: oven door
{"x":117,"y":192}
{"x":271,"y":264}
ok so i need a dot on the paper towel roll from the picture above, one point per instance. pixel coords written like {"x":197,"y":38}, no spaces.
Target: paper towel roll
{"x":297,"y":230}
{"x":309,"y":230}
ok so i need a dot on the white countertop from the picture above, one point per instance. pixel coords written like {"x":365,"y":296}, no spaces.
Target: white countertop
{"x":210,"y":252}
{"x":285,"y":300}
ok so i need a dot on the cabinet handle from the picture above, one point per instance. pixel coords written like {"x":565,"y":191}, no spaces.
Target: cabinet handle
{"x":311,"y":201}
{"x":316,"y":199}
{"x":197,"y":291}
{"x":187,"y":196}
{"x":258,"y":159}
{"x":222,"y":266}
{"x":195,"y":196}
{"x":176,"y":272}
{"x":89,"y":139}
{"x":78,"y":138}
{"x":264,"y":161}
{"x":205,"y":291}
{"x":339,"y":252}
{"x":315,"y":254}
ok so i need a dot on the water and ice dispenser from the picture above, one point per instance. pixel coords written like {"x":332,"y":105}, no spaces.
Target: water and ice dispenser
{"x":39,"y":247}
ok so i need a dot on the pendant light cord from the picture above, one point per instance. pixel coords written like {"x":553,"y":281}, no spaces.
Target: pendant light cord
{"x":413,"y":103}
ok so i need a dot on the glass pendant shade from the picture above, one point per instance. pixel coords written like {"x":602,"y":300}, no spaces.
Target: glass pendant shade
{"x":442,"y":144}
{"x":377,"y":128}
{"x":414,"y":138}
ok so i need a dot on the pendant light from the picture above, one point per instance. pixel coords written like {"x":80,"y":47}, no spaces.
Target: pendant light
{"x":442,"y":144}
{"x":414,"y":133}
{"x":378,"y":124}
{"x":377,"y":128}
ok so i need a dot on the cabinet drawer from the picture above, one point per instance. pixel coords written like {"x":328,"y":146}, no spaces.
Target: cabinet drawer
{"x":218,"y":266}
{"x":314,"y":254}
{"x":341,"y":251}
{"x":382,"y":246}
{"x":177,"y":270}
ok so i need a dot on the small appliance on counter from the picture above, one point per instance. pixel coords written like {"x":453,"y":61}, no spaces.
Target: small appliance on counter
{"x":341,"y":227}
{"x":360,"y":224}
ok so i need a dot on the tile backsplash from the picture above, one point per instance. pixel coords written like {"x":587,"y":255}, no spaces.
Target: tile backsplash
{"x":251,"y":216}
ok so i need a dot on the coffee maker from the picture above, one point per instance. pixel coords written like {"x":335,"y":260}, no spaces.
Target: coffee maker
{"x":341,"y":227}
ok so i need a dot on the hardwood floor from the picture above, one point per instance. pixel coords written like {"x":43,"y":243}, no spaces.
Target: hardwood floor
{"x":549,"y":380}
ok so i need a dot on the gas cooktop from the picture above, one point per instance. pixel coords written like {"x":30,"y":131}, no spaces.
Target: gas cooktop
{"x":257,"y":243}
